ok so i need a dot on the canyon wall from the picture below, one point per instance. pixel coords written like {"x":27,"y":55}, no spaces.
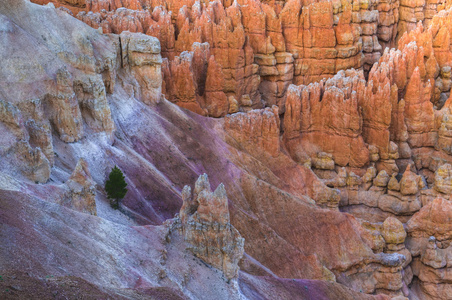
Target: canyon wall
{"x":259,"y":48}
{"x":334,"y":150}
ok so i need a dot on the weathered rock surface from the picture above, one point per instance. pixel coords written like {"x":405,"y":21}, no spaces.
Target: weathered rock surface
{"x":18,"y":154}
{"x":314,"y":124}
{"x":152,"y":147}
{"x":297,"y":137}
{"x":82,"y":193}
{"x":141,"y":54}
{"x":430,"y":244}
{"x":280,"y":42}
{"x":443,"y":179}
{"x":206,"y":227}
{"x":256,"y":131}
{"x":63,"y":87}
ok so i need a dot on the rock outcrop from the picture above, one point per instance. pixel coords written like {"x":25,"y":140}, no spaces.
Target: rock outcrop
{"x":68,"y":97}
{"x":16,"y":150}
{"x":282,"y":42}
{"x":430,"y":244}
{"x":193,"y":83}
{"x":82,"y":191}
{"x":257,"y":131}
{"x":336,"y":150}
{"x":206,"y":226}
{"x":141,"y":54}
{"x":443,"y":179}
{"x":314,"y":124}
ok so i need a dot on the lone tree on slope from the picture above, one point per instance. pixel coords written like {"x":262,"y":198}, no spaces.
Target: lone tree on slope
{"x":115,"y":187}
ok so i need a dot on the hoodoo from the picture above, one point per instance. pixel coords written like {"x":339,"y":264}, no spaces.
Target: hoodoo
{"x":271,"y":149}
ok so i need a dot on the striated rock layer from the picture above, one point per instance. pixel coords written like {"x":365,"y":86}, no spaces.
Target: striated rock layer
{"x":261,"y":47}
{"x":97,"y":105}
{"x":333,"y":151}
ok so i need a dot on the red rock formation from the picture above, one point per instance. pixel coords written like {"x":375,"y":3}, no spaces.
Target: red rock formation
{"x":98,"y":5}
{"x":443,"y":179}
{"x":162,"y":28}
{"x":429,"y":231}
{"x":73,"y":6}
{"x":217,"y":104}
{"x":256,"y":131}
{"x":290,"y":46}
{"x":388,"y":19}
{"x":322,"y":117}
{"x":376,"y":104}
{"x":432,"y":220}
{"x":419,"y":114}
{"x":181,"y":87}
{"x":379,"y":135}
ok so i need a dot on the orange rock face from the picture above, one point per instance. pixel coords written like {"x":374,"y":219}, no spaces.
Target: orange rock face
{"x":432,"y":220}
{"x":312,"y":115}
{"x":313,"y":121}
{"x":429,"y":231}
{"x":257,"y":130}
{"x":71,"y":6}
{"x":262,"y":47}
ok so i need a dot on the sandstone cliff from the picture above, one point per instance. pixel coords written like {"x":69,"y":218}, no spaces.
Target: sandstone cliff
{"x":280,"y":42}
{"x":331,"y":152}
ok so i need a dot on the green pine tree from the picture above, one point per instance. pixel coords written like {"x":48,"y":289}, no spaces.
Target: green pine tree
{"x":115,"y":187}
